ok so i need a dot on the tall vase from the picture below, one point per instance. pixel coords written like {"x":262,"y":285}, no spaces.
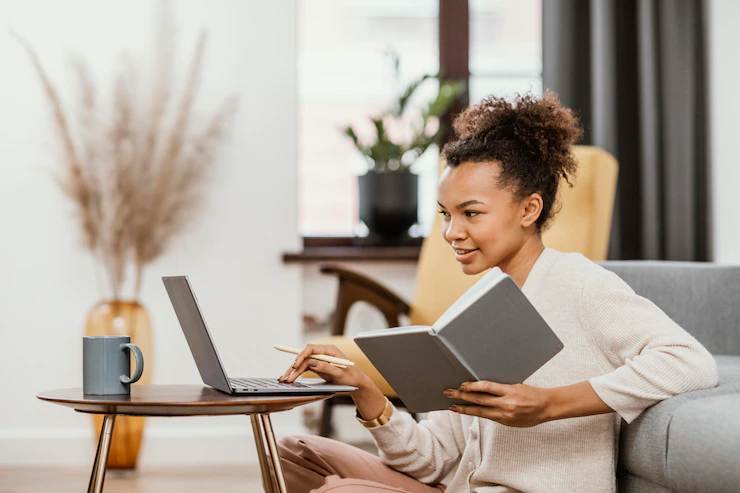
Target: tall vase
{"x":116,"y":317}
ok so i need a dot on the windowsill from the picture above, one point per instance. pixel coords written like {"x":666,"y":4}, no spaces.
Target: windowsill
{"x":321,"y":249}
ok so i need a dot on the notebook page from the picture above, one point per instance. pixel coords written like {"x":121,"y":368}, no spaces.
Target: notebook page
{"x":485,"y":283}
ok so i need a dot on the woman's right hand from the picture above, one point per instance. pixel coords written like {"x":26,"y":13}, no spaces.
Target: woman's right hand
{"x":368,"y":398}
{"x":341,"y":376}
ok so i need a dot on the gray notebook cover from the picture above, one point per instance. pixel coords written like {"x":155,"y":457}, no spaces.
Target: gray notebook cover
{"x":492,"y":333}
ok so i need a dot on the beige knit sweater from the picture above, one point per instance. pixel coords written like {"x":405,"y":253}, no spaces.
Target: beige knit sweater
{"x":632,"y":353}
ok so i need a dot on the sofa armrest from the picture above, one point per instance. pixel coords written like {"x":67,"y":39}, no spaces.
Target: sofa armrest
{"x":704,"y":445}
{"x":354,"y":287}
{"x":672,"y":443}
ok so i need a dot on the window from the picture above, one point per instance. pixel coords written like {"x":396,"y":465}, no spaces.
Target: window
{"x":344,"y":76}
{"x":505,"y":47}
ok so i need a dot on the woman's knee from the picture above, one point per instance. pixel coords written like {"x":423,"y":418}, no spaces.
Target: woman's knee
{"x":291,"y":442}
{"x":298,"y":443}
{"x":309,"y":447}
{"x":292,"y":447}
{"x":323,"y":455}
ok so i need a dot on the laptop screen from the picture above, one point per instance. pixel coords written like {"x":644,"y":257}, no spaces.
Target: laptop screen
{"x":196,"y":332}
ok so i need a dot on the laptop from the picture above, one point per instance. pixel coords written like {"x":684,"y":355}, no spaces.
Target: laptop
{"x":209,"y":364}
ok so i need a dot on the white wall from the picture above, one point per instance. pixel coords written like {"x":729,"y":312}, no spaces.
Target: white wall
{"x":724,"y":74}
{"x":232,"y":253}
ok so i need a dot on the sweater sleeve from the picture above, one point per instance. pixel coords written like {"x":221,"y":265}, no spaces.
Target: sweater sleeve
{"x":647,"y":356}
{"x":426,"y":451}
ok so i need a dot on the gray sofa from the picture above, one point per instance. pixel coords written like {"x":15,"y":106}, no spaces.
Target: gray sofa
{"x":690,"y":442}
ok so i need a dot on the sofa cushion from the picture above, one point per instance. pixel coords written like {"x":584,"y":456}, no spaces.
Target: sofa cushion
{"x":701,"y":297}
{"x":645,"y":443}
{"x":631,"y":483}
{"x":703,"y":446}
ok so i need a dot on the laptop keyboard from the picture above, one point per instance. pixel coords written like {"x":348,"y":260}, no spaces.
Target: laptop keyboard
{"x":266,"y":383}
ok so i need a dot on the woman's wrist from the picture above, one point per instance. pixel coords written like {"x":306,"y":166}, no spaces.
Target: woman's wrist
{"x":574,"y":401}
{"x":368,"y":398}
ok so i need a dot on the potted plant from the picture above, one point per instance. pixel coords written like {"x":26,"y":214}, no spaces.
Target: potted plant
{"x":388,"y":190}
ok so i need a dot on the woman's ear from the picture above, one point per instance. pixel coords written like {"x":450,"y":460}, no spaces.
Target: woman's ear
{"x":532,"y":209}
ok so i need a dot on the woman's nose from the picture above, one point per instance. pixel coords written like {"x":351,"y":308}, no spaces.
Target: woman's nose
{"x":453,"y":231}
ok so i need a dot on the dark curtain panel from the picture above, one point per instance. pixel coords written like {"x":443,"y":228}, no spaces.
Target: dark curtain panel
{"x":634,"y":70}
{"x":454,"y":43}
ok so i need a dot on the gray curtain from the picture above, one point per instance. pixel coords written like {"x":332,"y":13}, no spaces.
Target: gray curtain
{"x":634,"y":70}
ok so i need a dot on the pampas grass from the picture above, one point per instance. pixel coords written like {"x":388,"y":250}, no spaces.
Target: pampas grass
{"x":136,"y":181}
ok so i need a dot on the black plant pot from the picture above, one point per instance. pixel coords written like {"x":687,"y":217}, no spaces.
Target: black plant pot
{"x":388,"y":204}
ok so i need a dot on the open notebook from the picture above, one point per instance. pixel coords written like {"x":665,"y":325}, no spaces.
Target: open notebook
{"x":492,"y":332}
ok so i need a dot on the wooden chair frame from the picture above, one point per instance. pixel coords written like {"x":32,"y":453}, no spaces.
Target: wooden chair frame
{"x":354,"y":287}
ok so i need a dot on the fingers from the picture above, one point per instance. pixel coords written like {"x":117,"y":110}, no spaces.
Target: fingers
{"x":480,"y":398}
{"x":511,"y":405}
{"x":482,"y":412}
{"x":294,"y":371}
{"x":326,"y":369}
{"x":316,"y":349}
{"x":285,"y":375}
{"x":482,"y":392}
{"x":485,"y":386}
{"x":301,"y":360}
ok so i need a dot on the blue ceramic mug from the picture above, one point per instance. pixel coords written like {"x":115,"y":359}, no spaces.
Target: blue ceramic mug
{"x":106,"y":364}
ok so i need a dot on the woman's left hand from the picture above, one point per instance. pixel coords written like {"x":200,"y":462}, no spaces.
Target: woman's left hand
{"x":517,"y":405}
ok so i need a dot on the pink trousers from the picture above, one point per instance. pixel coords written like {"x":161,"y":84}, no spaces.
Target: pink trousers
{"x":318,"y":465}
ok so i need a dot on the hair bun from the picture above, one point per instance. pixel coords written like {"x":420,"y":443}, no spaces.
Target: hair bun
{"x":542,"y":125}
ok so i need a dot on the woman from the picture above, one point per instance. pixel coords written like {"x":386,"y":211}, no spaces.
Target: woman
{"x":559,"y":431}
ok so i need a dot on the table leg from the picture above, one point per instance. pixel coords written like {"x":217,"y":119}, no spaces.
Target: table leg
{"x":259,"y":440}
{"x":101,"y":456}
{"x":273,"y":449}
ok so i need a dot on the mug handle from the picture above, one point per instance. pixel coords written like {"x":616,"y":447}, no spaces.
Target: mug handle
{"x":139,"y":363}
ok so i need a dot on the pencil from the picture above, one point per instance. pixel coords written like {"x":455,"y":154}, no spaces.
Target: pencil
{"x":341,"y":363}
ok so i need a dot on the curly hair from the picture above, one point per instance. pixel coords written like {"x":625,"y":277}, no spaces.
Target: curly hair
{"x":530,"y":138}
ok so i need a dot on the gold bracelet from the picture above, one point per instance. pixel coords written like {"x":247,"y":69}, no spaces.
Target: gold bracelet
{"x":380,"y":420}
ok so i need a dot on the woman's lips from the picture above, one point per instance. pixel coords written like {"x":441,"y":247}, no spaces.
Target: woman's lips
{"x":467,"y":255}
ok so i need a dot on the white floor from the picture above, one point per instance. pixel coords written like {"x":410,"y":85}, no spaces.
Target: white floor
{"x":200,"y":479}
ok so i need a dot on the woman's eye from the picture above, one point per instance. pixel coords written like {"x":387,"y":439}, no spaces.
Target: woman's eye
{"x":444,"y":213}
{"x":471,"y":213}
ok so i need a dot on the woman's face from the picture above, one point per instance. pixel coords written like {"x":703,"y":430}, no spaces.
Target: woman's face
{"x":482,"y":222}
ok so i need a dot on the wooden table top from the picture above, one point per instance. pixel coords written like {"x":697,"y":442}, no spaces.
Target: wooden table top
{"x":175,"y":400}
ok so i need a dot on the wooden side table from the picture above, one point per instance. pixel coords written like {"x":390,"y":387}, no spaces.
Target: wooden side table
{"x":184,"y":400}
